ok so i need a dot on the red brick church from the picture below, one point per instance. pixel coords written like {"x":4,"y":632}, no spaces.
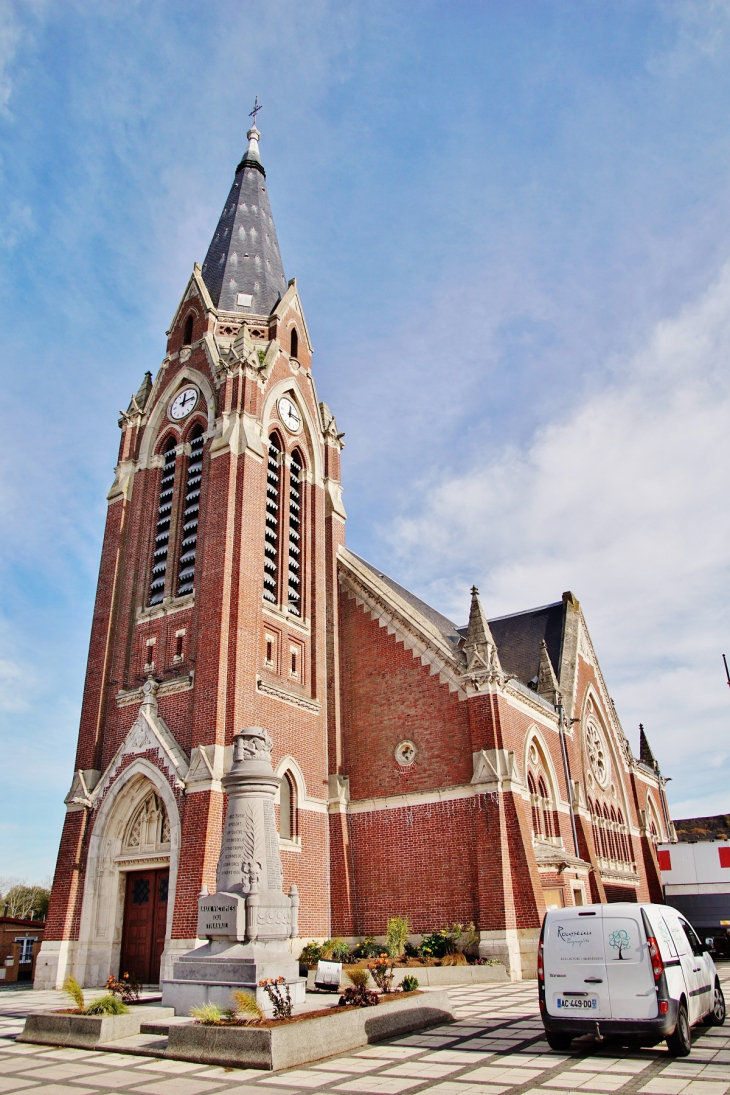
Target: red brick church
{"x":450,"y":773}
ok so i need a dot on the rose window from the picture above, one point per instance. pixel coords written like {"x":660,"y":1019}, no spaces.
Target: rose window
{"x":597,"y":754}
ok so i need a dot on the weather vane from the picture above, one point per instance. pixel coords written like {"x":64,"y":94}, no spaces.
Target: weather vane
{"x":256,"y":109}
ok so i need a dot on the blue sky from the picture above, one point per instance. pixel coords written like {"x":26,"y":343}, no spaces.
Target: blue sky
{"x":510,"y":228}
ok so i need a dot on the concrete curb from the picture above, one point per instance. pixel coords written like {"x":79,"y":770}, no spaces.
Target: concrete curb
{"x":291,"y":1044}
{"x":87,"y":1031}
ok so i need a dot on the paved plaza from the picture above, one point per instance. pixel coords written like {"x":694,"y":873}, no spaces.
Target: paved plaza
{"x":494,"y":1048}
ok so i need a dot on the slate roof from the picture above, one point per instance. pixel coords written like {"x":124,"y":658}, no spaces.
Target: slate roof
{"x":244,"y":256}
{"x":517,"y":636}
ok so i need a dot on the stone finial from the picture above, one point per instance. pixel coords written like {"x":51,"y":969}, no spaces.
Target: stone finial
{"x":646,"y":755}
{"x":480,"y":647}
{"x":547,"y":682}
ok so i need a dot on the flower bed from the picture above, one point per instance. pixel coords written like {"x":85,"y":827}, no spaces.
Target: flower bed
{"x":70,"y":1027}
{"x":275,"y":1044}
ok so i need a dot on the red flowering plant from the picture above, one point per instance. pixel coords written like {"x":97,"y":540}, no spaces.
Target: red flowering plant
{"x":127,"y":988}
{"x":280,"y":997}
{"x":382,"y":972}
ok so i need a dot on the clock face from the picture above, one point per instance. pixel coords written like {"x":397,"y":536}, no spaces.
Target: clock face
{"x":183,"y":403}
{"x":289,"y":414}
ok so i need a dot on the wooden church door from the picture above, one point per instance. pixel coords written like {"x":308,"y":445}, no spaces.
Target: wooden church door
{"x":145,"y":920}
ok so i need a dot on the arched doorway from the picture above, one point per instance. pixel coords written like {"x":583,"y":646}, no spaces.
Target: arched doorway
{"x":146,"y":893}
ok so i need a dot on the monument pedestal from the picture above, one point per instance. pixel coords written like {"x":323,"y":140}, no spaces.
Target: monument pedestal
{"x":247,"y":925}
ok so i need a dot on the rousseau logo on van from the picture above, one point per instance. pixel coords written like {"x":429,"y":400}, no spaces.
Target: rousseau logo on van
{"x":573,"y":938}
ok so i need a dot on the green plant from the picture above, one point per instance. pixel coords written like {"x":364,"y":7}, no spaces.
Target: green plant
{"x":409,"y":983}
{"x":358,"y":995}
{"x":280,"y":996}
{"x":334,"y":950}
{"x":382,"y":971}
{"x":396,"y":935}
{"x":311,"y":955}
{"x":410,"y":951}
{"x":73,"y":989}
{"x":261,"y":354}
{"x":208,"y":1015}
{"x":366,"y":949}
{"x":359,"y":977}
{"x":127,"y":988}
{"x":107,"y":1005}
{"x":434,"y":945}
{"x":245,"y":1006}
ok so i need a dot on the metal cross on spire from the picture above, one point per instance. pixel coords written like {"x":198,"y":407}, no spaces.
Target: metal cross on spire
{"x":256,"y":108}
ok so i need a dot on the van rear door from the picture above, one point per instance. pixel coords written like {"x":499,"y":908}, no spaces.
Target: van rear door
{"x":631,"y":985}
{"x":574,"y":963}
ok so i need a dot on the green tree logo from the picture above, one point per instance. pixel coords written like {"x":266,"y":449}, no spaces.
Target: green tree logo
{"x":620,"y":941}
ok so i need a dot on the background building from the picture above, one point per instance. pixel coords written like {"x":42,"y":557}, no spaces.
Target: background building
{"x":444,"y":772}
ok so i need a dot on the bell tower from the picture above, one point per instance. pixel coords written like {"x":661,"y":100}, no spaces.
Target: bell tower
{"x":215,"y":611}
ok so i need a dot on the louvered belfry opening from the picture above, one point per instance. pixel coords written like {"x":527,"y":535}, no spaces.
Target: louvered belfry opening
{"x":295,"y":527}
{"x":191,"y":512}
{"x":162,"y":532}
{"x":271,"y":544}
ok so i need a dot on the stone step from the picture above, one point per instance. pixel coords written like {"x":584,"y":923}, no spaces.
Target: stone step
{"x":162,"y":1026}
{"x":140,"y":1045}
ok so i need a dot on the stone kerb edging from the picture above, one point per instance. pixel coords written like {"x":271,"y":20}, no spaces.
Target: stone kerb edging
{"x":87,"y":1031}
{"x":435,"y":975}
{"x":273,"y":1048}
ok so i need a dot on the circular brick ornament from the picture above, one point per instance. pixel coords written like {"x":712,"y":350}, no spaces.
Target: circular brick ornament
{"x":405,"y":753}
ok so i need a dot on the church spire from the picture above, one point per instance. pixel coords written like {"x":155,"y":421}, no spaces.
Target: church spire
{"x":243,"y":271}
{"x":547,"y":682}
{"x":479,"y":647}
{"x":645,"y":754}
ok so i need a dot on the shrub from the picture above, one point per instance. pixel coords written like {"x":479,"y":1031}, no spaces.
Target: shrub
{"x":359,"y":996}
{"x":277,"y":991}
{"x":366,"y":949}
{"x":245,"y":1006}
{"x":359,"y":977}
{"x":107,"y":1005}
{"x":409,"y":983}
{"x":457,"y":959}
{"x":127,"y":988}
{"x":73,"y":989}
{"x":410,"y":951}
{"x":382,"y":971}
{"x":396,"y":935}
{"x":208,"y":1015}
{"x":311,"y":955}
{"x":334,"y":950}
{"x":434,"y":945}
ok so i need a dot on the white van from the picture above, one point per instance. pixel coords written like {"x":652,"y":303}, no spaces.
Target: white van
{"x":632,"y":971}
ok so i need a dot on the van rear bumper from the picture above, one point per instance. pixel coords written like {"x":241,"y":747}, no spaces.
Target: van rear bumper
{"x":632,"y":1028}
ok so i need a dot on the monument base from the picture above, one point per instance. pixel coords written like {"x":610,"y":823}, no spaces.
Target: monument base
{"x":209,"y":974}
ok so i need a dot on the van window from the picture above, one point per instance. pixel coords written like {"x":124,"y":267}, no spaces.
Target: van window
{"x":680,"y":939}
{"x":662,"y":934}
{"x":695,"y":945}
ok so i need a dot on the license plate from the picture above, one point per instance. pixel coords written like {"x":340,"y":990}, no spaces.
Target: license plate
{"x":577,"y":1003}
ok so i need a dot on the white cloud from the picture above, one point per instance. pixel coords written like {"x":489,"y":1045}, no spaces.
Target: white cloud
{"x":14,"y":681}
{"x":624,"y":501}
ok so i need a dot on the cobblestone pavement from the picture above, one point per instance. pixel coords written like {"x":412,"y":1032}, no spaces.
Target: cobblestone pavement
{"x":495,"y":1047}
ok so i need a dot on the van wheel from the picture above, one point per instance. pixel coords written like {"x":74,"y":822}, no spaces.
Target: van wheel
{"x":558,"y":1041}
{"x":679,"y":1042}
{"x":716,"y":1017}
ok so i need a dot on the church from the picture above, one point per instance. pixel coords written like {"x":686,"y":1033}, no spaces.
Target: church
{"x":429,"y":769}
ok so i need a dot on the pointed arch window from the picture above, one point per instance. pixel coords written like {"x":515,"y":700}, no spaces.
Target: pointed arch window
{"x":295,"y":535}
{"x":294,"y":343}
{"x":288,"y":808}
{"x":162,"y":531}
{"x":188,"y":332}
{"x":271,"y":542}
{"x":191,"y":513}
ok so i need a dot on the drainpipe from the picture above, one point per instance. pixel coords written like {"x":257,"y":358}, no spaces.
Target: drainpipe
{"x":561,"y":729}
